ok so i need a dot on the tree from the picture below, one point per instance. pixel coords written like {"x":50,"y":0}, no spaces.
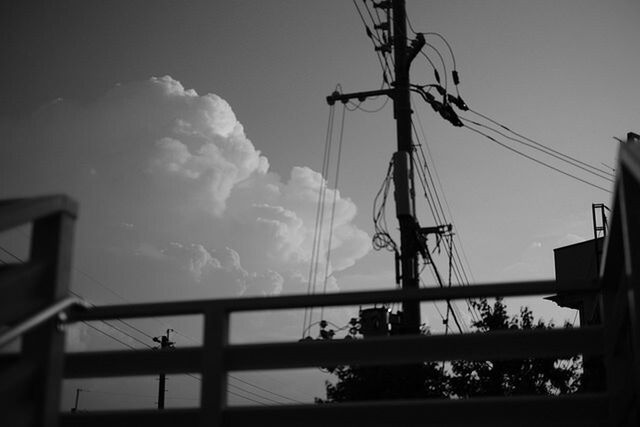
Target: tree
{"x":462,"y":378}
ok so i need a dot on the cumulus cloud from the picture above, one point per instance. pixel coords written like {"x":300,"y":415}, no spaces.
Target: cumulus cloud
{"x":204,"y":214}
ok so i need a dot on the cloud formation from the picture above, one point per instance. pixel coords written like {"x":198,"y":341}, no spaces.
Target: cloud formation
{"x":176,"y":200}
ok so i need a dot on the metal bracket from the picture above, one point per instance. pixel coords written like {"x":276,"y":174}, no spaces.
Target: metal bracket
{"x":360,"y":96}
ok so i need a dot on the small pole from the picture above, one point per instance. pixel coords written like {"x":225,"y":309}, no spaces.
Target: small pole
{"x":164,"y":344}
{"x":75,"y":407}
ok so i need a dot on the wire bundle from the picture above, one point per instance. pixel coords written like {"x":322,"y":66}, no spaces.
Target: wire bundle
{"x":317,"y":250}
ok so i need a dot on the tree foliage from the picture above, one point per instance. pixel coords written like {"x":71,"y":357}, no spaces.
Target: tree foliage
{"x":461,"y":378}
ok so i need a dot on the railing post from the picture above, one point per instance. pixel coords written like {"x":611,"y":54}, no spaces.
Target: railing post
{"x":51,"y":244}
{"x":213,"y":394}
{"x":630,"y":221}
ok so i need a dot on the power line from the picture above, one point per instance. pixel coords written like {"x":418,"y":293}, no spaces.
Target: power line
{"x":540,"y":144}
{"x":336,"y":182}
{"x":189,"y":375}
{"x":440,"y":217}
{"x":534,"y":159}
{"x":111,"y":325}
{"x":110,"y":336}
{"x":111,"y":393}
{"x":317,"y":231}
{"x":543,"y":149}
{"x":264,"y":389}
{"x":11,"y":254}
{"x":444,"y":197}
{"x":375,"y":38}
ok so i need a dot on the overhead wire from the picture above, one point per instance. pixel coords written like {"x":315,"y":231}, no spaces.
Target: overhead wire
{"x":336,"y":184}
{"x":430,"y":260}
{"x":130,"y":336}
{"x":375,"y":38}
{"x":93,"y":390}
{"x":540,"y":162}
{"x":382,"y":38}
{"x":308,"y":311}
{"x":543,"y":146}
{"x":543,"y":149}
{"x":22,"y":261}
{"x":458,"y":265}
{"x":454,"y":73}
{"x":444,"y":65}
{"x":382,"y":238}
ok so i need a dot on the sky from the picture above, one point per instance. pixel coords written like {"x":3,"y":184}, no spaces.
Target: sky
{"x":192,"y":134}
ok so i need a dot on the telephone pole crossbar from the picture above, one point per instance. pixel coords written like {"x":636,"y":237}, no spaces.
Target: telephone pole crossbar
{"x":360,"y":96}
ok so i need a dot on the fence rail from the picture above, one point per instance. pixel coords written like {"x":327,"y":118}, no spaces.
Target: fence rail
{"x":617,"y":340}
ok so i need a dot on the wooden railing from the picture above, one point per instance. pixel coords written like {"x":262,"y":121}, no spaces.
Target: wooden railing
{"x":216,"y":357}
{"x":30,"y":384}
{"x":617,"y":341}
{"x":620,"y":282}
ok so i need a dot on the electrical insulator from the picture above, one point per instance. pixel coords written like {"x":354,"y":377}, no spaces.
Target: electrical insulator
{"x":382,"y":5}
{"x":385,"y":48}
{"x":456,"y":77}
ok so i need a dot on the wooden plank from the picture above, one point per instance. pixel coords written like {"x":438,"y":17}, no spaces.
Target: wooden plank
{"x":534,"y":411}
{"x":373,"y":351}
{"x":510,"y":344}
{"x":327,"y":300}
{"x":22,"y":283}
{"x":134,"y":418}
{"x":585,"y":410}
{"x":15,"y":212}
{"x":51,"y":244}
{"x":98,"y":364}
{"x":630,"y":218}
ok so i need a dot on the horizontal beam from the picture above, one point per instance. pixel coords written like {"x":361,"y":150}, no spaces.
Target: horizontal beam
{"x":15,"y":212}
{"x":374,"y":351}
{"x":584,"y":410}
{"x":576,"y":410}
{"x":135,"y":418}
{"x":360,"y":96}
{"x":326,"y":300}
{"x":499,"y":345}
{"x":100,"y":364}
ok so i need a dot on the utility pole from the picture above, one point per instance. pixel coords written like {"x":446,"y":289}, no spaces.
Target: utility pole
{"x":164,"y":345}
{"x":403,"y":177}
{"x":403,"y":168}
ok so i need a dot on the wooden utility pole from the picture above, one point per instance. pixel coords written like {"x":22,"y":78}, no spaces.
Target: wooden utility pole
{"x":403,"y":168}
{"x":403,"y":179}
{"x":165,"y":344}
